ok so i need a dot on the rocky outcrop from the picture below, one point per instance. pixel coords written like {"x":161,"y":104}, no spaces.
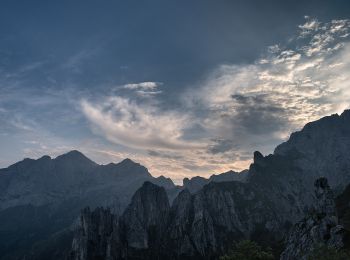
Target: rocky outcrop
{"x":219,"y":214}
{"x":135,"y":235}
{"x":94,"y":236}
{"x":145,"y":219}
{"x":197,"y":225}
{"x":195,"y":183}
{"x":319,"y":227}
{"x":178,"y":233}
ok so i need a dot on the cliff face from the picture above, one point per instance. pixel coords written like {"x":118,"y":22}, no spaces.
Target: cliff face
{"x":319,"y":227}
{"x":97,"y":230}
{"x":205,"y":224}
{"x":144,"y":220}
{"x":135,"y":234}
{"x":196,"y":226}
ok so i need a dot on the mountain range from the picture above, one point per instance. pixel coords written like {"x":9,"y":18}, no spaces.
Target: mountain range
{"x":277,"y":193}
{"x":148,"y":217}
{"x":41,"y":199}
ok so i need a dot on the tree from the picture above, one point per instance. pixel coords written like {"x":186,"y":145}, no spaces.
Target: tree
{"x":326,"y":253}
{"x":248,"y":250}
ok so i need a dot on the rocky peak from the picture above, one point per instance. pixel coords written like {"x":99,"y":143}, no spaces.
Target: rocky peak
{"x":146,"y":216}
{"x":195,"y":183}
{"x":128,"y":166}
{"x":346,"y":114}
{"x":75,"y":157}
{"x":165,"y":182}
{"x":258,"y":157}
{"x":45,"y":158}
{"x":259,"y":163}
{"x":150,"y":201}
{"x":181,"y":208}
{"x":127,"y":161}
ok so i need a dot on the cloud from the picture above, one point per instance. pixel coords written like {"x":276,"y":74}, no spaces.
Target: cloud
{"x":144,"y":89}
{"x":258,"y":114}
{"x":238,"y":109}
{"x":309,"y":26}
{"x":125,"y":122}
{"x":258,"y":105}
{"x":165,"y":155}
{"x":143,"y":85}
{"x":222,"y":146}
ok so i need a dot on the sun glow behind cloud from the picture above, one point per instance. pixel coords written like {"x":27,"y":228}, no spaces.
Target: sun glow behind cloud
{"x":238,"y":109}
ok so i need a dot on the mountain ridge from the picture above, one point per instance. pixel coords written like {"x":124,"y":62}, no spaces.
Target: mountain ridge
{"x":276,"y":195}
{"x":52,"y":192}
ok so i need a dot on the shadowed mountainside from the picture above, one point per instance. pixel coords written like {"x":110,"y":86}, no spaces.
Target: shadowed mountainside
{"x":39,"y":198}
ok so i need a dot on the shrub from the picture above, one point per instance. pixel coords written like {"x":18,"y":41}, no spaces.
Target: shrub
{"x":325,"y":253}
{"x":248,"y":250}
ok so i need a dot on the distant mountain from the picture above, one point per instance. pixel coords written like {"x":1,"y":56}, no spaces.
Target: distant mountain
{"x":43,"y":198}
{"x":74,"y":176}
{"x":39,"y":198}
{"x":323,"y":148}
{"x":279,"y":189}
{"x":196,"y":183}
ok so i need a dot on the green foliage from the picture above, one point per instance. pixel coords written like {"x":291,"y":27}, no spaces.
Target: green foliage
{"x":248,"y":250}
{"x":325,"y":253}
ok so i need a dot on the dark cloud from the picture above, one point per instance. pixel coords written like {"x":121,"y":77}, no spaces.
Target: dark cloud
{"x":164,"y":155}
{"x":222,"y":146}
{"x":258,"y":115}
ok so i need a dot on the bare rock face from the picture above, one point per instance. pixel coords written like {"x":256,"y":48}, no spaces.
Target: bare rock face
{"x":203,"y":225}
{"x":319,"y":227}
{"x":197,"y":226}
{"x":323,"y":148}
{"x":136,"y":234}
{"x":97,"y":236}
{"x":145,"y":218}
{"x":180,"y":221}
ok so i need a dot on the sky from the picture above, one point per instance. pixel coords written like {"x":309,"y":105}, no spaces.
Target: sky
{"x":185,"y":88}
